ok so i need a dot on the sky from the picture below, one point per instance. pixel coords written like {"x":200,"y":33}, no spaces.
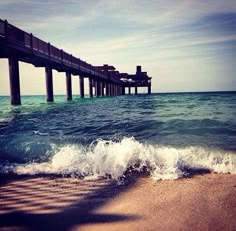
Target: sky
{"x":184,"y":45}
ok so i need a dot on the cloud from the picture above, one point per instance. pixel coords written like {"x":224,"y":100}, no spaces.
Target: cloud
{"x":216,"y":24}
{"x":46,"y":15}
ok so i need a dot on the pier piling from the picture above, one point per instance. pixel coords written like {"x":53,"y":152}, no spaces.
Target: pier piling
{"x":106,"y":89}
{"x":81,"y":78}
{"x":68,"y":86}
{"x":49,"y":84}
{"x":90,"y":88}
{"x":14,"y":78}
{"x":123,"y":90}
{"x":97,"y":87}
{"x":112,"y":90}
{"x":102,"y":88}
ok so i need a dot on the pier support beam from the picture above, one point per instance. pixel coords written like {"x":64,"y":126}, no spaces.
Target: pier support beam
{"x":97,"y":86}
{"x":111,"y":90}
{"x":129,"y":90}
{"x":102,"y":88}
{"x":14,"y":78}
{"x":136,"y":90}
{"x":68,"y":86}
{"x":49,"y":84}
{"x":90,"y":88}
{"x":81,"y":83}
{"x":123,"y":90}
{"x":107,"y":88}
{"x":149,"y":90}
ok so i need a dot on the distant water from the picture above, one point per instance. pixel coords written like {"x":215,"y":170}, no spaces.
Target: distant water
{"x":170,"y":135}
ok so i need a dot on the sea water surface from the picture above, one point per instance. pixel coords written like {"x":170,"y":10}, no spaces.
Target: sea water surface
{"x":168,"y":135}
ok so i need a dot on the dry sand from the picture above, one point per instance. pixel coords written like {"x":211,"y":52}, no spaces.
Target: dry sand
{"x":203,"y":202}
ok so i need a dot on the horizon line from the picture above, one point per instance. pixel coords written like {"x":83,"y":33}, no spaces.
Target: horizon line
{"x":162,"y":92}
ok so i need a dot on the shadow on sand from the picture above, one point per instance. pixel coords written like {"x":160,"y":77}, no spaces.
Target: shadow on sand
{"x":54,"y":203}
{"x":57,"y":203}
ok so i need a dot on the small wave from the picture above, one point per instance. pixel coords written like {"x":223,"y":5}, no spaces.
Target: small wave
{"x":109,"y":158}
{"x":3,"y":120}
{"x":40,"y":133}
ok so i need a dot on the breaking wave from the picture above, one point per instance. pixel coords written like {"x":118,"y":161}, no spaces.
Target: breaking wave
{"x":114,"y":159}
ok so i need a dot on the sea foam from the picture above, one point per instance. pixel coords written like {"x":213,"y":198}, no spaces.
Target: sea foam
{"x":114,"y":159}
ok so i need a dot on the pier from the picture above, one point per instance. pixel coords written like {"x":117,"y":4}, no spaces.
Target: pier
{"x":17,"y":46}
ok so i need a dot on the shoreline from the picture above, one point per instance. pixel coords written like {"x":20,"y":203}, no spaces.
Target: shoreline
{"x":202,"y":202}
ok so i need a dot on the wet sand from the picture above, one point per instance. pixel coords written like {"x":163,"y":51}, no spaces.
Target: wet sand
{"x":203,"y":202}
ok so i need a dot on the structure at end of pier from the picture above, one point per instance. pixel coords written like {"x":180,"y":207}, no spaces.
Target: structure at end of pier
{"x":139,"y":79}
{"x":17,"y":45}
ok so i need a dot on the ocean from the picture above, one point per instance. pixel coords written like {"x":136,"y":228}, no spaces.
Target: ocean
{"x":168,"y":136}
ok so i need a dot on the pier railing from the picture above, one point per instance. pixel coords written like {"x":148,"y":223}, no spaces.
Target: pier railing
{"x":46,"y":50}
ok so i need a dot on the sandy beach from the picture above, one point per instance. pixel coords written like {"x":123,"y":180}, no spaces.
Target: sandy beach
{"x":203,"y":202}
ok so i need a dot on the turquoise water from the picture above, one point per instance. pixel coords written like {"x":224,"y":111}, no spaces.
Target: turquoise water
{"x":169,"y":134}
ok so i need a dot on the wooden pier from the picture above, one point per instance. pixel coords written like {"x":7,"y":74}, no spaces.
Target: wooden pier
{"x":17,"y":45}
